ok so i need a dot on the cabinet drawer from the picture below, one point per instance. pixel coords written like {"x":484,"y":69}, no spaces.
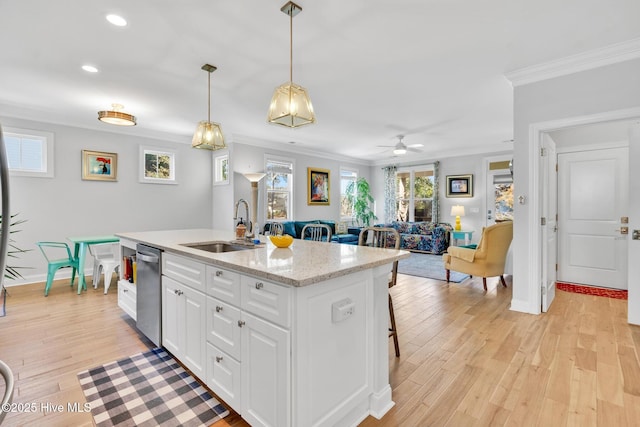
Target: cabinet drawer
{"x":184,"y":270}
{"x":127,"y":298}
{"x":223,"y":285}
{"x":223,"y":376}
{"x":267,"y":300}
{"x":222,"y":329}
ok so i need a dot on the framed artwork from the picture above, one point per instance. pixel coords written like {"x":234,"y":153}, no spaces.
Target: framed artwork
{"x":99,"y":166}
{"x":157,"y":166}
{"x":221,"y":170}
{"x":317,"y":186}
{"x":459,"y":185}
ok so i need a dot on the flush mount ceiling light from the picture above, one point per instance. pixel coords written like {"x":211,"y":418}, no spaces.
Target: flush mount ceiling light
{"x":290,"y":104}
{"x":208,"y":134}
{"x":117,"y":20}
{"x":116,"y":116}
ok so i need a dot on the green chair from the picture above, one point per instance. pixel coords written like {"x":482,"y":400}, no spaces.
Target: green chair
{"x":58,"y":250}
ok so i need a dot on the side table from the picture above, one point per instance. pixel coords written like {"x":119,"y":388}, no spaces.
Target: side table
{"x":462,"y":234}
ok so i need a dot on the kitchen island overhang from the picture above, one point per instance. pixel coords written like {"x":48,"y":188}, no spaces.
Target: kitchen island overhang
{"x":336,"y":370}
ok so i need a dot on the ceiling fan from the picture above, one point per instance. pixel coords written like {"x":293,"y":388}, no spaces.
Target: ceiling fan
{"x":401,"y":148}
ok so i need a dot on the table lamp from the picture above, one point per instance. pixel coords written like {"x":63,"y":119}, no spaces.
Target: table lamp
{"x":457,"y":211}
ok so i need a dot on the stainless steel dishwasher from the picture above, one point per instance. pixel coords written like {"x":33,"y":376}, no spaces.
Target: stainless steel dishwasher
{"x":149,"y":293}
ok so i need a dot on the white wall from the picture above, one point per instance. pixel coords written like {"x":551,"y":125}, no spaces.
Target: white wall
{"x":588,"y":93}
{"x":65,"y":205}
{"x":247,"y":158}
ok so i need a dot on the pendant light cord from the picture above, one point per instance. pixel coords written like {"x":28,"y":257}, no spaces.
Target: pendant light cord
{"x":209,"y":97}
{"x":291,"y":46}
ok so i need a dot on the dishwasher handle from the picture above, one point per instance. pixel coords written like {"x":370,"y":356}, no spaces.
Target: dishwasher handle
{"x":147,"y":258}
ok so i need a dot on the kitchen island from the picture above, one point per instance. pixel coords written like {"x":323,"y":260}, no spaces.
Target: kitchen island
{"x":292,"y":336}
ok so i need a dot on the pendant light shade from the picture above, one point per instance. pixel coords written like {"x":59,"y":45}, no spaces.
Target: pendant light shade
{"x":208,"y":134}
{"x":116,"y":116}
{"x":290,"y":105}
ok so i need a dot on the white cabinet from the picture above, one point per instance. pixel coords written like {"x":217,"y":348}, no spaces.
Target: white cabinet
{"x":266,"y":373}
{"x":248,"y":350}
{"x":184,"y":315}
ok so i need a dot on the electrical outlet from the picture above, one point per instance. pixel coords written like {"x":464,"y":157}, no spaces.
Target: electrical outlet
{"x":474,"y":210}
{"x":341,"y":310}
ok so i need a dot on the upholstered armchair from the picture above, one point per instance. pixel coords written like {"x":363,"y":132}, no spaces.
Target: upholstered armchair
{"x":489,"y":257}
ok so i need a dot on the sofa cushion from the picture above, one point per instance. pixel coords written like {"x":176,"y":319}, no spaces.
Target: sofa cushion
{"x":402,"y":226}
{"x":423,"y":227}
{"x":331,"y":224}
{"x":288,"y":227}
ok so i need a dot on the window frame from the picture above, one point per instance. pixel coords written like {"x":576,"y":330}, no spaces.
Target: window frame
{"x":144,"y":150}
{"x":355,"y":173}
{"x":412,"y":170}
{"x":219,"y":165}
{"x":47,"y":159}
{"x":279,"y":159}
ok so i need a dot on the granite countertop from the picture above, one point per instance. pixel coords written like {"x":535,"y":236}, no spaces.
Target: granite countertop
{"x":303,"y":263}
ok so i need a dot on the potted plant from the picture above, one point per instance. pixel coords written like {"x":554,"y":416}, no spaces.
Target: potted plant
{"x":358,"y":195}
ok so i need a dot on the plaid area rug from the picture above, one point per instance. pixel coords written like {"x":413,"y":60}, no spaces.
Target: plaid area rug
{"x":428,"y":265}
{"x":148,"y":389}
{"x":592,"y":290}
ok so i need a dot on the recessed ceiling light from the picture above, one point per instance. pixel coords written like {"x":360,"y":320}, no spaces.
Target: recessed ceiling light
{"x":117,"y":20}
{"x":90,"y":68}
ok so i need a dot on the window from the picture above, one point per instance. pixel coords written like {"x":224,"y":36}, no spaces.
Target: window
{"x":279,"y":185}
{"x":157,"y":166}
{"x":414,"y":194}
{"x":29,"y":152}
{"x":221,"y":170}
{"x":347,"y":176}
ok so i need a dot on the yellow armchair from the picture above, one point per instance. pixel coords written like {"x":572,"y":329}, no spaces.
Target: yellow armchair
{"x":488,"y":259}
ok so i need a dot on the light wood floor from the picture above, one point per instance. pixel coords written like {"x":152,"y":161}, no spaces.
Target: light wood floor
{"x":465,"y":360}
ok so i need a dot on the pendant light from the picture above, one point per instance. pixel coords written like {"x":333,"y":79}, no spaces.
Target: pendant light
{"x":208,"y":134}
{"x":117,"y":116}
{"x":290,"y":104}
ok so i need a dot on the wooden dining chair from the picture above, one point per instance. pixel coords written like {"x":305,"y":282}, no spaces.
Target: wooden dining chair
{"x":385,"y":237}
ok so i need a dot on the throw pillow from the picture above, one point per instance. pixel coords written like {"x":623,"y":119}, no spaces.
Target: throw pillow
{"x":341,"y":227}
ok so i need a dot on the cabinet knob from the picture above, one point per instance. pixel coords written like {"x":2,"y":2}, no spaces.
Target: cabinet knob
{"x":218,"y":273}
{"x":218,"y":359}
{"x":178,"y":292}
{"x":259,"y":285}
{"x":241,"y":323}
{"x":218,"y":309}
{"x":125,"y":290}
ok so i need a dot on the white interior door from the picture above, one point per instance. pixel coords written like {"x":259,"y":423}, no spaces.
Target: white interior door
{"x":549,"y":204}
{"x":593,"y":190}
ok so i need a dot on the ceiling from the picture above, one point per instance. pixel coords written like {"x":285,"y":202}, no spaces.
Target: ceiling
{"x":432,"y":70}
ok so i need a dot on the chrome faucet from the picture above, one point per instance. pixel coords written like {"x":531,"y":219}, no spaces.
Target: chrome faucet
{"x":249,"y":233}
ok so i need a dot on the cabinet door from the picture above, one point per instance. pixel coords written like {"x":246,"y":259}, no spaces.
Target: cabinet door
{"x":222,"y":326}
{"x":265,"y":371}
{"x":223,"y":376}
{"x":194,"y":321}
{"x":172,"y":323}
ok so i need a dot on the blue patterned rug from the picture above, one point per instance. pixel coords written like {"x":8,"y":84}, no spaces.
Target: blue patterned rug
{"x":428,"y":265}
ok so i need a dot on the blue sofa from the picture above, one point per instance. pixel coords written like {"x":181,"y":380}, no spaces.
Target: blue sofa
{"x":422,"y":236}
{"x":294,"y":229}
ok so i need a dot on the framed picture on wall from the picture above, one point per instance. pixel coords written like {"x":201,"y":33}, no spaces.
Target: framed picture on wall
{"x":99,"y":166}
{"x":460,"y":185}
{"x":317,"y":186}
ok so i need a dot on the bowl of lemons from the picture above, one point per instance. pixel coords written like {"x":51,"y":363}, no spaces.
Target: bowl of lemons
{"x":283,"y":241}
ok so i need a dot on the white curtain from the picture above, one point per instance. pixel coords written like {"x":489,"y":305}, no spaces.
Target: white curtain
{"x":389,"y":193}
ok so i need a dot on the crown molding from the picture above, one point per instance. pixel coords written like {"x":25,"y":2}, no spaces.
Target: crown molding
{"x":612,"y":54}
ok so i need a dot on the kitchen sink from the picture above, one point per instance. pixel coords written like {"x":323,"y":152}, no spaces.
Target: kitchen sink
{"x":218,"y":247}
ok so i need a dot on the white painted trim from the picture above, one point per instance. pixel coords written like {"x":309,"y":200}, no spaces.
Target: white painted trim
{"x":590,"y":147}
{"x":618,"y":52}
{"x":536,"y":131}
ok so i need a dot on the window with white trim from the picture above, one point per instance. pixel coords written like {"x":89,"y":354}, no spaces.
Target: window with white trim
{"x":347,"y":176}
{"x":279,"y":188}
{"x":29,"y":152}
{"x":414,"y":193}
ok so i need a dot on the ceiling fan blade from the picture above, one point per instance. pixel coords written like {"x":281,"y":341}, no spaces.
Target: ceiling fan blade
{"x":414,"y":150}
{"x":415,"y":145}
